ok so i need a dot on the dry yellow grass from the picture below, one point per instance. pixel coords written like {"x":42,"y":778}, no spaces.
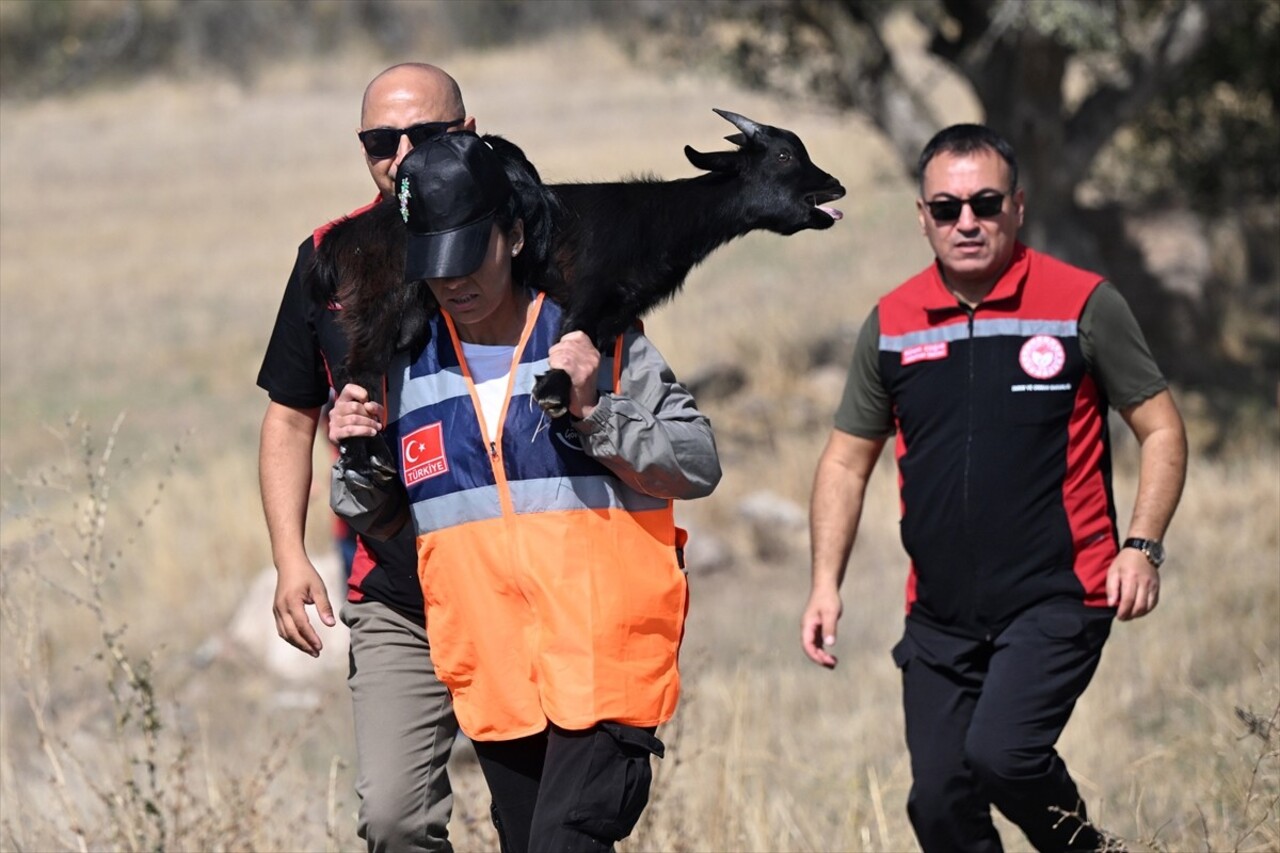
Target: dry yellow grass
{"x":145,"y":238}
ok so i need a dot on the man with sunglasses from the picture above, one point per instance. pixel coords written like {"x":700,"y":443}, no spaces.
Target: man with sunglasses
{"x":404,"y":720}
{"x":996,"y":367}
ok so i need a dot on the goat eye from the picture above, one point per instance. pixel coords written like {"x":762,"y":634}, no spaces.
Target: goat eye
{"x":784,"y":156}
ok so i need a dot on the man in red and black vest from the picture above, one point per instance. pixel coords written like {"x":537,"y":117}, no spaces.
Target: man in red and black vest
{"x":995,"y":368}
{"x":404,"y":721}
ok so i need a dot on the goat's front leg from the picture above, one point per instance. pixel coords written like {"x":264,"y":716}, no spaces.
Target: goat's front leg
{"x":589,"y":310}
{"x":551,"y":390}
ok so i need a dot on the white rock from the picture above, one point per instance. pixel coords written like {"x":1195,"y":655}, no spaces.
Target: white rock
{"x":764,"y":508}
{"x":252,"y":630}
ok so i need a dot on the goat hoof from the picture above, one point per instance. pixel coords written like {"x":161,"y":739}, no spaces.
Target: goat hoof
{"x":553,"y":407}
{"x":368,"y":457}
{"x":551,"y":391}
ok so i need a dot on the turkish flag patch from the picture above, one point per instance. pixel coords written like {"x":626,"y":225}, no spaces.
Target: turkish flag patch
{"x":422,"y":454}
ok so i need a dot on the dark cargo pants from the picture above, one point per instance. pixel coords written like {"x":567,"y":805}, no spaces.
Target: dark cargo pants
{"x":982,"y":719}
{"x":569,"y":791}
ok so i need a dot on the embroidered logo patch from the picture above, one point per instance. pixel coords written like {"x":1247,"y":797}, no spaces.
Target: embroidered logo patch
{"x":422,"y":454}
{"x":1042,"y":357}
{"x":925,"y":352}
{"x":404,"y":199}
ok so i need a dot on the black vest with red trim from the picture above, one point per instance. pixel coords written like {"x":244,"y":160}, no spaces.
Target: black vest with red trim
{"x":1003,"y":452}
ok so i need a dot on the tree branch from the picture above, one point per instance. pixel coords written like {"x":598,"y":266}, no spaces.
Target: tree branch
{"x":1175,"y":39}
{"x":872,"y":82}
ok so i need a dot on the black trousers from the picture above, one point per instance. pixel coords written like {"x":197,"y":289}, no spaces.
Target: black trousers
{"x":569,"y":791}
{"x":982,"y":719}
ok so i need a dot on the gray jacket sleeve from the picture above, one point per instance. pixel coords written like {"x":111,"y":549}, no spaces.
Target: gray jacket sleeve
{"x":649,"y":433}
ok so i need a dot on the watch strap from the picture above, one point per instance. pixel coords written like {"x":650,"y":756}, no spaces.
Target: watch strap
{"x":1150,"y":548}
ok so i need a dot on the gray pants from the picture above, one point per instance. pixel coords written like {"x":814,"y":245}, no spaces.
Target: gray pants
{"x":404,"y":731}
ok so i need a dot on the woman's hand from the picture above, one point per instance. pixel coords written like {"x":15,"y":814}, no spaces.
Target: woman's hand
{"x":354,"y":415}
{"x":576,"y":356}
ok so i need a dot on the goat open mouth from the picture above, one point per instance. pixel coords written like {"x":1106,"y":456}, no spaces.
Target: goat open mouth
{"x":818,"y":202}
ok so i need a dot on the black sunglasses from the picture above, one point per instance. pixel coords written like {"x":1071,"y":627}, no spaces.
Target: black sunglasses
{"x":983,"y":206}
{"x":383,"y":142}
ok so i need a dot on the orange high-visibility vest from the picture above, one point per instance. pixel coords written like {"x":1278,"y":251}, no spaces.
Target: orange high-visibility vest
{"x":553,"y":590}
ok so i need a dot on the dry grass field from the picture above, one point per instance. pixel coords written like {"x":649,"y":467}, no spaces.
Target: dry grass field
{"x":145,"y":237}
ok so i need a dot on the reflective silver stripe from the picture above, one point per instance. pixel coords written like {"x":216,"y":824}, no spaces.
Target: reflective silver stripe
{"x":421,"y":391}
{"x":1023,"y":328}
{"x":418,"y":392}
{"x":569,"y":493}
{"x":1005,"y":326}
{"x":413,"y":393}
{"x":553,"y":494}
{"x":897,"y":343}
{"x":527,"y":374}
{"x":476,"y":504}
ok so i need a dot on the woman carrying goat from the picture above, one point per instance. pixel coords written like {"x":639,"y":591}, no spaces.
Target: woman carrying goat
{"x":547,"y":551}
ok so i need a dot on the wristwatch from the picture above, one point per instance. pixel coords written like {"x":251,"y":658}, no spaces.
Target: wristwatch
{"x":1150,"y":548}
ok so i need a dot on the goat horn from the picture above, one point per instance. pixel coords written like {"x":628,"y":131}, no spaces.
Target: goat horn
{"x":742,"y":123}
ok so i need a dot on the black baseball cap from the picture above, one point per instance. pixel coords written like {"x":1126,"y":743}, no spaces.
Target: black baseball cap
{"x":449,"y":188}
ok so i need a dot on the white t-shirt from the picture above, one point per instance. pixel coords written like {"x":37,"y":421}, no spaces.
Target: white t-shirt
{"x":490,"y":368}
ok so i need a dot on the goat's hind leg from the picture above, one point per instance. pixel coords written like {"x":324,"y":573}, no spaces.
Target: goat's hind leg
{"x":368,"y":455}
{"x":364,"y":486}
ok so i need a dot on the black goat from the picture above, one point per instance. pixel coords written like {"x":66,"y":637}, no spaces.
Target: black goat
{"x":626,"y":247}
{"x":619,"y":248}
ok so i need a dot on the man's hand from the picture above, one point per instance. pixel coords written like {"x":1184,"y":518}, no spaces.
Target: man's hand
{"x":1133,"y":585}
{"x":576,"y":356}
{"x":818,"y":626}
{"x":297,"y":586}
{"x":835,"y":507}
{"x":353,"y":415}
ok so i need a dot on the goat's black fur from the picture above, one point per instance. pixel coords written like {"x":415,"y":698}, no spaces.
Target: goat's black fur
{"x":619,"y":249}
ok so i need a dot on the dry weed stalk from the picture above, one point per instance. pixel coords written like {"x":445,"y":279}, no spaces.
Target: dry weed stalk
{"x":143,"y":797}
{"x":1110,"y":843}
{"x":35,"y":692}
{"x":1262,"y":729}
{"x":1252,"y":820}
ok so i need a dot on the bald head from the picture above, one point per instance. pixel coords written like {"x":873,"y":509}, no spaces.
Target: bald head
{"x":403,"y":97}
{"x":412,"y":81}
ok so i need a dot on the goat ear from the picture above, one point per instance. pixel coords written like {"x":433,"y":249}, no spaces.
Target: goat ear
{"x":716,"y":161}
